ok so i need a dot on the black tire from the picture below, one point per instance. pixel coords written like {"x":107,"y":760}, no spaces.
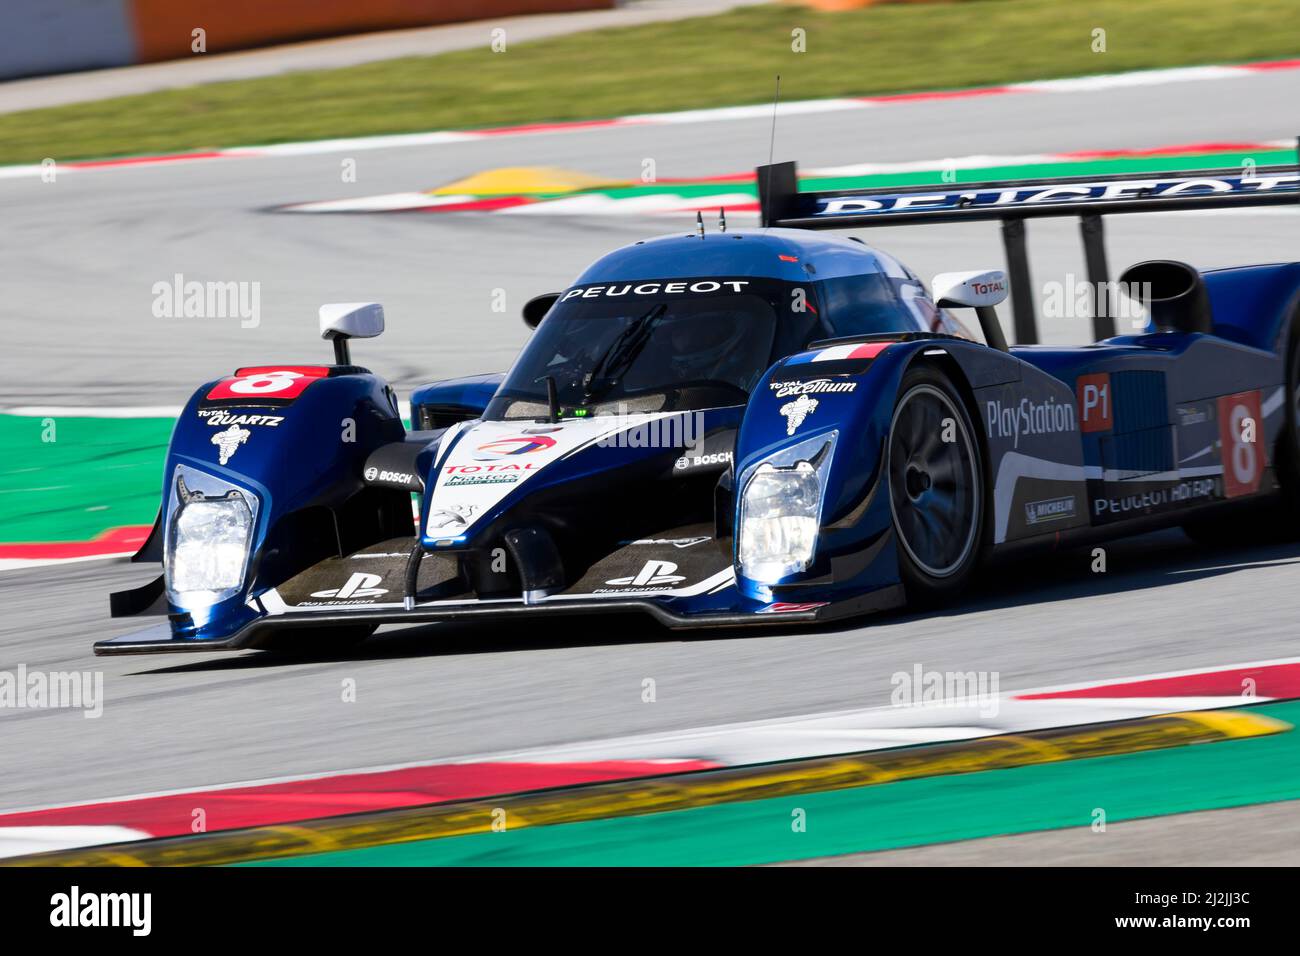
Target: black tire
{"x":1288,"y":450}
{"x":936,"y":487}
{"x":308,"y":643}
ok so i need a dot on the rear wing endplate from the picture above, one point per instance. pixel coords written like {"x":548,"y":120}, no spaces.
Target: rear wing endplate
{"x":1011,"y":202}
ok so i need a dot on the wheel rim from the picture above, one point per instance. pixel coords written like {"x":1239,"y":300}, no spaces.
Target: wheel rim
{"x":933,"y":484}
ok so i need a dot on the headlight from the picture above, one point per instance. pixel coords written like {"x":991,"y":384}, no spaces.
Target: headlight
{"x":779,"y":516}
{"x":207,"y":545}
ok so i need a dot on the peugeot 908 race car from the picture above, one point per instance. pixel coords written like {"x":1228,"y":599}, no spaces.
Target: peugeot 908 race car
{"x":733,"y":428}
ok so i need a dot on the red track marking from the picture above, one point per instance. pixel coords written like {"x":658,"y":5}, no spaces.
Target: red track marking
{"x":937,"y":95}
{"x":112,"y":541}
{"x":474,"y":205}
{"x":1272,"y":65}
{"x":173,"y":814}
{"x":747,"y":176}
{"x":1277,"y":681}
{"x":1164,"y":150}
{"x":140,"y":160}
{"x":547,"y":127}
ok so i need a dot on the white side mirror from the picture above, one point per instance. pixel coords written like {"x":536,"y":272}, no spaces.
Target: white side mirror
{"x":341,"y":321}
{"x":351,"y":320}
{"x":970,"y":289}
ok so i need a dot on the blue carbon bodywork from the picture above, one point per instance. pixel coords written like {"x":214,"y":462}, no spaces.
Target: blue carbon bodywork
{"x":311,"y":459}
{"x":467,"y":396}
{"x":1105,"y":438}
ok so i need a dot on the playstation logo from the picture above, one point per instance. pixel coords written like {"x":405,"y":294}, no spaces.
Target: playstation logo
{"x":360,"y":585}
{"x":654,"y":573}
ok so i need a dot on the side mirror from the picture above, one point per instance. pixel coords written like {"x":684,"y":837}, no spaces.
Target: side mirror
{"x":980,"y":291}
{"x":970,"y":289}
{"x":340,"y":321}
{"x":535,"y":309}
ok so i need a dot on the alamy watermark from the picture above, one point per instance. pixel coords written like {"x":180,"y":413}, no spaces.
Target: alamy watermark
{"x":922,"y":688}
{"x":182,"y":299}
{"x":633,"y":430}
{"x":1079,"y":299}
{"x":42,"y":690}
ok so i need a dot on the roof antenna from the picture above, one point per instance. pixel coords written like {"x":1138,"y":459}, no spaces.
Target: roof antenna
{"x":771,"y":146}
{"x":722,"y":219}
{"x":699,"y":223}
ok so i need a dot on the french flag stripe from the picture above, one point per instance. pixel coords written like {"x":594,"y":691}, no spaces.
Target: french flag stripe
{"x":851,"y":351}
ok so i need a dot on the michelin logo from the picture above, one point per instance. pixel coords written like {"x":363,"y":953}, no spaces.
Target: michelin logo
{"x":1037,"y":512}
{"x":1011,"y":421}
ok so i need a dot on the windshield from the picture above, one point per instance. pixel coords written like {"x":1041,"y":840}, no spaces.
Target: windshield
{"x":645,"y":347}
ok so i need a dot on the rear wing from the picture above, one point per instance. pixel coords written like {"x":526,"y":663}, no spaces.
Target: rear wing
{"x":1011,"y":202}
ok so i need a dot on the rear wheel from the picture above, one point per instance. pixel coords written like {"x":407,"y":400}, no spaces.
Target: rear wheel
{"x":936,"y":487}
{"x":1288,"y":452}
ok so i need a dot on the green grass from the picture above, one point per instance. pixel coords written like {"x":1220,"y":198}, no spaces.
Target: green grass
{"x":1050,"y":796}
{"x":712,"y":61}
{"x":96,"y":474}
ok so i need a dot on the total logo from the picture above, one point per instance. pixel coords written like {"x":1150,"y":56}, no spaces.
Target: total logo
{"x":518,"y":445}
{"x":359,"y":587}
{"x":653,"y":574}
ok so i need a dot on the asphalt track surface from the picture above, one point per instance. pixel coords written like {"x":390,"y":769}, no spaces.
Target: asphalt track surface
{"x":80,"y":256}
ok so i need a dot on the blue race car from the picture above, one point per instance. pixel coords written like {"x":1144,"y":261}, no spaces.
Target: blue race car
{"x":746,"y":427}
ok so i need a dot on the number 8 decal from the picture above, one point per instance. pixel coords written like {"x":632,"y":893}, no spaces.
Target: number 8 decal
{"x":1241,"y":442}
{"x":284,"y":382}
{"x":265,"y":382}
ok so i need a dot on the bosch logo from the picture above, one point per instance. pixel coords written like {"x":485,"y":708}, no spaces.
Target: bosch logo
{"x":397,"y":477}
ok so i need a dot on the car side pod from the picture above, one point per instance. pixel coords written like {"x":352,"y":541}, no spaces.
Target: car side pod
{"x":980,"y":291}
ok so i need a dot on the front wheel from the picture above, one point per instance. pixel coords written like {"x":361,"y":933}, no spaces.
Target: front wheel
{"x":936,"y":487}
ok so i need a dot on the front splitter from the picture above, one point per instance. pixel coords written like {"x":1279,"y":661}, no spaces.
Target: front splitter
{"x":159,"y":639}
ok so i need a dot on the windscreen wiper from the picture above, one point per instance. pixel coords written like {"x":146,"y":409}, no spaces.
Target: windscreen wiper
{"x":622,"y":352}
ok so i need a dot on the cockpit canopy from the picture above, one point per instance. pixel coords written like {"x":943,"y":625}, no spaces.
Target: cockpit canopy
{"x":684,"y":344}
